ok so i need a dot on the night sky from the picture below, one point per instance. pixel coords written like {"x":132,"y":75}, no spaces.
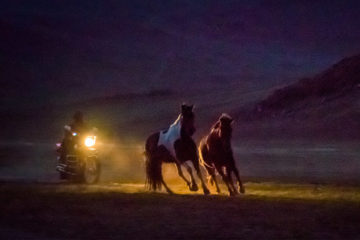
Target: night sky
{"x":63,"y":51}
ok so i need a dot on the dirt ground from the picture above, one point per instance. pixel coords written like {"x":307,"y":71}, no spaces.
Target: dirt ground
{"x":128,"y":211}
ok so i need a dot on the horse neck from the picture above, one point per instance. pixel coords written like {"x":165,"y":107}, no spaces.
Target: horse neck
{"x":183,"y":134}
{"x":214,"y":135}
{"x":187,"y":127}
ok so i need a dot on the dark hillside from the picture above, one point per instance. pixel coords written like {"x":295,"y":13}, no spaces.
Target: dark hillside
{"x":327,"y":104}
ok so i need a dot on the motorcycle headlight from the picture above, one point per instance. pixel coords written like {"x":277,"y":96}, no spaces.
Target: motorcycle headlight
{"x":90,"y":141}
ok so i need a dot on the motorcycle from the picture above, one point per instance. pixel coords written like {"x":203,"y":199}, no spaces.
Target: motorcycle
{"x":78,"y":158}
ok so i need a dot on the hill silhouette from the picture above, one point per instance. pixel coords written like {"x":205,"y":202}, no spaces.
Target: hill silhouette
{"x":327,"y":104}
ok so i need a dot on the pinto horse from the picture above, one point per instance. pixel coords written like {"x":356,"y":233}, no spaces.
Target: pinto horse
{"x":216,"y":154}
{"x":173,"y":145}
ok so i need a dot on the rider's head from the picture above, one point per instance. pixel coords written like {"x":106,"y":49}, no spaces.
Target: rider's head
{"x":78,"y":116}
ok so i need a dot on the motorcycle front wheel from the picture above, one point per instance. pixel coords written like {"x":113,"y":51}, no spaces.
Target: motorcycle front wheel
{"x":91,"y":173}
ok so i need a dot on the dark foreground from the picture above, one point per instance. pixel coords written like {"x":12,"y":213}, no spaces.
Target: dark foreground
{"x":113,"y":211}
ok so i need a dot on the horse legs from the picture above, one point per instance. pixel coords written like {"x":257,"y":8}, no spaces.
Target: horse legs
{"x":193,"y":186}
{"x":231,"y":182}
{"x":225,"y":179}
{"x":198,"y":171}
{"x":180,"y":172}
{"x":211,"y":171}
{"x":241,"y":186}
{"x":168,"y":190}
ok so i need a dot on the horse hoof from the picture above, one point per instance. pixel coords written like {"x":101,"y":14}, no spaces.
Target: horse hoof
{"x":206,"y":191}
{"x":169,"y":192}
{"x":194,"y":188}
{"x":232,"y":194}
{"x":242,"y":190}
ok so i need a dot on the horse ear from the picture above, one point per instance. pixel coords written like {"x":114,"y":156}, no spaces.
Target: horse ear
{"x":183,"y":107}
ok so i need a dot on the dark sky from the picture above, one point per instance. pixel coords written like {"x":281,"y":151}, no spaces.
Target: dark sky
{"x":59,"y":50}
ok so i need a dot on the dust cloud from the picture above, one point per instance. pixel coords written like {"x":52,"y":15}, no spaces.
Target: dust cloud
{"x":125,"y":162}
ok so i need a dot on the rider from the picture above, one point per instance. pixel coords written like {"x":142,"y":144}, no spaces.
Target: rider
{"x":77,"y":126}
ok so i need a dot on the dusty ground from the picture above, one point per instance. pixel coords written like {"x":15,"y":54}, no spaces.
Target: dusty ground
{"x":34,"y":205}
{"x":126,"y":211}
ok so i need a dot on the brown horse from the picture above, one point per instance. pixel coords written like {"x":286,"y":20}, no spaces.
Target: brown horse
{"x":216,"y":154}
{"x":173,"y":145}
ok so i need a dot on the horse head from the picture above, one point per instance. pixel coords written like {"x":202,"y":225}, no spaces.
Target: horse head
{"x":187,"y":120}
{"x":225,"y":130}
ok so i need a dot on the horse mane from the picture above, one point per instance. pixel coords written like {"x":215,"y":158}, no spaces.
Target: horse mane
{"x":216,"y":125}
{"x":177,"y":120}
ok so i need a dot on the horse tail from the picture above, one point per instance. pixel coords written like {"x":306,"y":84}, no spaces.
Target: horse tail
{"x":153,"y":165}
{"x":153,"y":172}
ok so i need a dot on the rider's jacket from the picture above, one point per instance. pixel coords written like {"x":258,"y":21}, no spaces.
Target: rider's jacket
{"x":79,"y":127}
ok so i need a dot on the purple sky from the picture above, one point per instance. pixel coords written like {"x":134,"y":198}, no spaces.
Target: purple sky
{"x":67,"y":50}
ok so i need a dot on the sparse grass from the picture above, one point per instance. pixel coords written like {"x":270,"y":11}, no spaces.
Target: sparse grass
{"x":122,"y":211}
